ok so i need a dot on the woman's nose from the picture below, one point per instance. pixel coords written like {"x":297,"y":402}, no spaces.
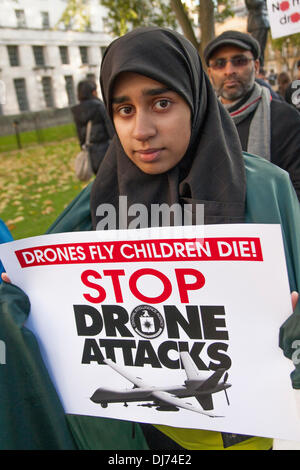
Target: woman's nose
{"x":144,"y":126}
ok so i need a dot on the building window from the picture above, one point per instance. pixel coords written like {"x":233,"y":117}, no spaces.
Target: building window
{"x":21,"y":20}
{"x":39,"y":57}
{"x":20,"y":87}
{"x":13,"y":54}
{"x":48,"y":92}
{"x":64,"y":54}
{"x":45,"y":20}
{"x":70,"y":89}
{"x":102,"y":50}
{"x":91,"y":76}
{"x":84,"y":54}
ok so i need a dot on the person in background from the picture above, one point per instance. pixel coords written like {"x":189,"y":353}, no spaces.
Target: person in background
{"x":272,"y":77}
{"x":283,"y":81}
{"x":91,"y":108}
{"x":262,"y":80}
{"x":266,"y":127}
{"x":292,"y":93}
{"x":5,"y":236}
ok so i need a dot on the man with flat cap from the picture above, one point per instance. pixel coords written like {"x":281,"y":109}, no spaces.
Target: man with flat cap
{"x":266,"y":127}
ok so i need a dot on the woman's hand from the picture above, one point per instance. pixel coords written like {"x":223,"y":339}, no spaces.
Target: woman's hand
{"x":295,"y":297}
{"x":5,"y":278}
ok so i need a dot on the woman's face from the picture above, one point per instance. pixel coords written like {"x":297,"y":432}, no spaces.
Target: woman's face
{"x":153,"y":123}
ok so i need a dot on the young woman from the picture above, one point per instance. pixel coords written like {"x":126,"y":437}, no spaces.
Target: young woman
{"x":175,"y":143}
{"x":183,"y":147}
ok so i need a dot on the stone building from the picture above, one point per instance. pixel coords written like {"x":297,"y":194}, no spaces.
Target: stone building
{"x":41,"y":62}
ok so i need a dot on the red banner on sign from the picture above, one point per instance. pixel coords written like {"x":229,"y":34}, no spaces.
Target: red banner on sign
{"x":207,"y":249}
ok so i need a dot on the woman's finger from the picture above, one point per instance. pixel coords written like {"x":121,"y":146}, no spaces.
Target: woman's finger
{"x":295,"y":297}
{"x":5,"y":278}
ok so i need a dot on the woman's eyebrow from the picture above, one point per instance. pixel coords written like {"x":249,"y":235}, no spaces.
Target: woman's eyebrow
{"x":146,"y":92}
{"x":120,"y":99}
{"x":156,"y":91}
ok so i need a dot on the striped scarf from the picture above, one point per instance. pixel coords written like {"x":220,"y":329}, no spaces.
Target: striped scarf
{"x":259,"y":140}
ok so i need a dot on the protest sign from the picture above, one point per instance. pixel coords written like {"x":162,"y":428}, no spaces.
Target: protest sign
{"x":284,"y":17}
{"x":158,"y":325}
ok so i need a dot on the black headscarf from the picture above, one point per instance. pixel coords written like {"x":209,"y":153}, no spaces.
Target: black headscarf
{"x":211,"y":172}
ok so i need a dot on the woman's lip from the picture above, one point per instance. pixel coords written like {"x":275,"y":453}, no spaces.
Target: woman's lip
{"x":148,"y":155}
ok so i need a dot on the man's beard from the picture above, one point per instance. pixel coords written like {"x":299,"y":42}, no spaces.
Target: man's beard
{"x":238,"y":91}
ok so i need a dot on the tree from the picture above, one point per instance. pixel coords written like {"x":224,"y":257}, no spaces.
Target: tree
{"x":205,"y":10}
{"x":124,"y":15}
{"x":183,"y":18}
{"x":287,"y":50}
{"x":75,"y":16}
{"x":208,"y":12}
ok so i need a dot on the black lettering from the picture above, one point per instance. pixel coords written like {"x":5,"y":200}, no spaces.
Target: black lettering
{"x":125,"y":345}
{"x":213,"y":328}
{"x":82,"y":314}
{"x":194,"y":353}
{"x":214,"y":351}
{"x":115,"y":317}
{"x":91,"y":352}
{"x":191,"y":326}
{"x":284,"y":20}
{"x":146,"y":355}
{"x":162,"y":353}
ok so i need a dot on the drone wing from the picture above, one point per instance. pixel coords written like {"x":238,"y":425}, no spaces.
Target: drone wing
{"x":135,"y":380}
{"x":189,"y":366}
{"x":205,"y":401}
{"x":166,"y":398}
{"x":213,"y":380}
{"x":193,"y":375}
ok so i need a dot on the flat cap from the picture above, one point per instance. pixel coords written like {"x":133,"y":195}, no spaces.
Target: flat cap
{"x":233,"y":38}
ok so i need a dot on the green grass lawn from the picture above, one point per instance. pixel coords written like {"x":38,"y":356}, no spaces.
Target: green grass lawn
{"x":51,"y":134}
{"x":37,"y":183}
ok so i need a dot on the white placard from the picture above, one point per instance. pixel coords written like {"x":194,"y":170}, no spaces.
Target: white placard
{"x":284,"y":17}
{"x":161,"y":326}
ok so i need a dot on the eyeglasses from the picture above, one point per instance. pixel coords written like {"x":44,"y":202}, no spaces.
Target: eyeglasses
{"x":240,"y":61}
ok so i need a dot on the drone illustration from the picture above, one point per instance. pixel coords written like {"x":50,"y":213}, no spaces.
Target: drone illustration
{"x":167,"y":398}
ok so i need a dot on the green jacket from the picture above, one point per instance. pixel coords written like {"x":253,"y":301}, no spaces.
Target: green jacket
{"x":31,"y":416}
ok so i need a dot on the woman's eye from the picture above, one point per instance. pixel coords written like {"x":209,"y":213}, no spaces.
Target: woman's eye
{"x":125,"y":110}
{"x":162,"y":104}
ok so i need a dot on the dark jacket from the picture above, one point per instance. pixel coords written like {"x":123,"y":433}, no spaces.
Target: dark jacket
{"x":285,"y":137}
{"x":5,"y":236}
{"x":258,"y":15}
{"x":101,"y":133}
{"x":292,"y":94}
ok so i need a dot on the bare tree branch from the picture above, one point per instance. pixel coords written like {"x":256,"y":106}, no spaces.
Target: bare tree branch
{"x":184,"y":21}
